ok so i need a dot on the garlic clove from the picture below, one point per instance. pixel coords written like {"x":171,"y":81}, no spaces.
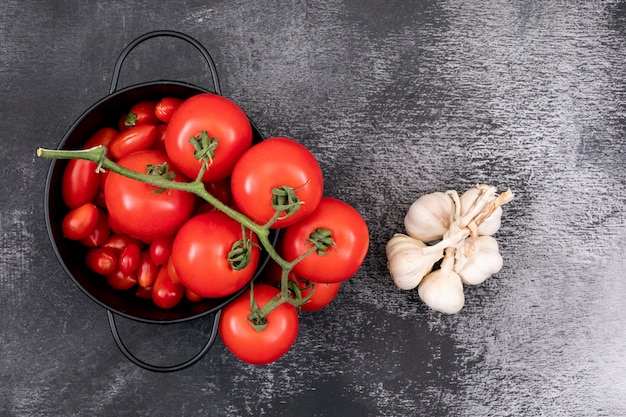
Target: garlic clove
{"x":429,"y":217}
{"x":484,"y":262}
{"x":442,"y":290}
{"x":407,"y":263}
{"x":470,"y":198}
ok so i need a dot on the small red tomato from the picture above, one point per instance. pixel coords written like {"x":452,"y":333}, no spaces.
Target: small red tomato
{"x":144,"y":293}
{"x":100,"y":233}
{"x":118,"y":241}
{"x":159,"y":142}
{"x":102,"y":137}
{"x":80,"y":182}
{"x":141,"y":113}
{"x":129,"y":258}
{"x":165,"y":293}
{"x":192,"y":296}
{"x":146,"y":270}
{"x":102,"y":261}
{"x":323,"y":293}
{"x":161,"y":249}
{"x":80,"y":222}
{"x":134,"y":139}
{"x":121,"y":281}
{"x":165,"y":108}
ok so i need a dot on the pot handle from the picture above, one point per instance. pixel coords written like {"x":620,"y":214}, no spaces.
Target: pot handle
{"x":165,"y":33}
{"x":163,"y":368}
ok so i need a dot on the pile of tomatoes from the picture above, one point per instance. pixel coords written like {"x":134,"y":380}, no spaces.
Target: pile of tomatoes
{"x":170,"y":246}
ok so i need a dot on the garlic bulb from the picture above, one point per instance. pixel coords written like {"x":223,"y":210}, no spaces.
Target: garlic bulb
{"x":470,"y":198}
{"x":484,"y":261}
{"x":429,"y":217}
{"x":407,"y":263}
{"x":442,"y":289}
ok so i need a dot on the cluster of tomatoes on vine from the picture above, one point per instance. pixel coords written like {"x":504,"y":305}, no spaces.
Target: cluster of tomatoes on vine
{"x":181,"y":203}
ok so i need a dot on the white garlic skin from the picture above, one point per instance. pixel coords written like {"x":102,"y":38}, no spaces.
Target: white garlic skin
{"x":492,"y":223}
{"x":442,"y":290}
{"x":485,"y":261}
{"x":406,"y":263}
{"x":429,"y":217}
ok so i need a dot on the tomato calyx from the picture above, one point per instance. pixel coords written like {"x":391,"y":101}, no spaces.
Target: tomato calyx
{"x":204,"y":149}
{"x":160,"y":170}
{"x":322,"y":240}
{"x":285,"y":200}
{"x":241,"y":252}
{"x":131,"y":120}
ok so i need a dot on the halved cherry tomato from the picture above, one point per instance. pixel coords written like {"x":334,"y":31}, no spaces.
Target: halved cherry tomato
{"x":120,"y":280}
{"x":129,"y":258}
{"x":100,"y":233}
{"x":166,"y":293}
{"x":134,"y":139}
{"x":80,"y":222}
{"x":161,"y":249}
{"x":166,"y":107}
{"x":102,"y":261}
{"x":140,"y":114}
{"x":80,"y":182}
{"x":146,"y":270}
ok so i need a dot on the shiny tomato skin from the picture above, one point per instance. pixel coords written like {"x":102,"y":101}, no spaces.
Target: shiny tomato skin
{"x":159,"y":142}
{"x":146,"y":270}
{"x":200,"y":255}
{"x":103,"y":136}
{"x":276,"y":162}
{"x":100,"y":233}
{"x":118,"y":242}
{"x":129,"y":258}
{"x":136,"y":209}
{"x":121,"y":281}
{"x":80,"y":183}
{"x":134,"y":139}
{"x":161,"y":249}
{"x":221,"y":119}
{"x":141,"y":113}
{"x":323,"y":293}
{"x":80,"y":222}
{"x":166,"y":107}
{"x":102,"y":261}
{"x":248,"y":344}
{"x":340,"y":261}
{"x":165,"y":293}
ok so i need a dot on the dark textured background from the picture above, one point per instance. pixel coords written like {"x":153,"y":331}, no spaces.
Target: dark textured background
{"x":395,"y":99}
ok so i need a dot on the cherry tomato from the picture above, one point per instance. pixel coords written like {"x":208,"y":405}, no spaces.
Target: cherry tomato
{"x":166,"y":293}
{"x":141,"y":113}
{"x":118,"y":242}
{"x":103,"y":137}
{"x":144,"y":293}
{"x":166,"y":107}
{"x":159,"y":142}
{"x":146,"y":270}
{"x":80,"y":182}
{"x":161,"y":249}
{"x":138,"y":209}
{"x":200,"y":255}
{"x":221,"y":119}
{"x":276,"y":162}
{"x":172,"y":271}
{"x":100,"y":233}
{"x":120,"y":280}
{"x":323,"y":293}
{"x":80,"y":222}
{"x":342,"y":260}
{"x":248,"y":344}
{"x":192,"y":296}
{"x":129,"y":258}
{"x":102,"y":261}
{"x":131,"y":140}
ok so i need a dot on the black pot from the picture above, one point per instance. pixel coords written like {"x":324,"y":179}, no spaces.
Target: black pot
{"x":71,"y":254}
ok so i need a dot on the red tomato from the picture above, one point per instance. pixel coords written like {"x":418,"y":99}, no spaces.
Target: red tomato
{"x":161,"y":249}
{"x":220,"y":190}
{"x":134,"y":139}
{"x":121,"y":281}
{"x":141,"y":113}
{"x":200,"y":255}
{"x":192,"y":296}
{"x":80,"y":182}
{"x":165,"y":108}
{"x":166,"y":293}
{"x":137,"y":209}
{"x":159,"y":142}
{"x":340,"y":261}
{"x":102,"y":261}
{"x":144,"y":293}
{"x":100,"y":233}
{"x":146,"y":270}
{"x":129,"y":258}
{"x":118,"y":242}
{"x":80,"y":222}
{"x":221,"y":119}
{"x":248,"y":344}
{"x":172,"y":271}
{"x":276,"y":162}
{"x":103,"y":137}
